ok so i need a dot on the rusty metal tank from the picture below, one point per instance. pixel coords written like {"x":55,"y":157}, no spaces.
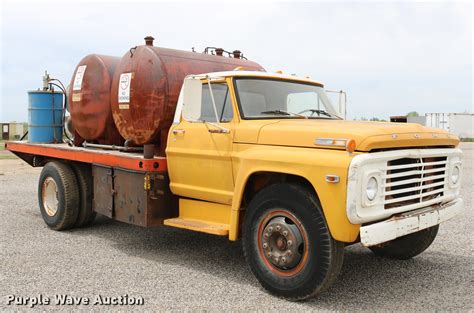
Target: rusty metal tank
{"x":147,"y":83}
{"x":89,"y":100}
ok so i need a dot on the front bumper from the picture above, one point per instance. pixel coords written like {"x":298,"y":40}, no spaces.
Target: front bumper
{"x":409,"y":222}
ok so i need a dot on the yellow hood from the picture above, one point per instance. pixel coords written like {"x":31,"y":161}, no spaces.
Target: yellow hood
{"x":368,"y":135}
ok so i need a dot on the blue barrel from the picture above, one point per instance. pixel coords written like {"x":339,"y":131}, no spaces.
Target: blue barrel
{"x":45,"y":116}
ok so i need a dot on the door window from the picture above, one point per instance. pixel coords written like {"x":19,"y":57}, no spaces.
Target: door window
{"x":223,"y":103}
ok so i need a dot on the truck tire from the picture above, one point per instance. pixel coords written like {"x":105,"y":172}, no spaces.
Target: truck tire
{"x":58,"y":195}
{"x":85,"y":215}
{"x":287,"y":243}
{"x":408,"y":246}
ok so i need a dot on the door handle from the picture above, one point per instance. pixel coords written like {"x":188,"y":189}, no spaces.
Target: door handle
{"x":178,"y":131}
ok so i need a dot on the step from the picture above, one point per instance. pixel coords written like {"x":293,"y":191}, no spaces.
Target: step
{"x":199,"y":225}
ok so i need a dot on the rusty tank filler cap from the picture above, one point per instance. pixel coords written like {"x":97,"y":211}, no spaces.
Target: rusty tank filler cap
{"x":237,"y":54}
{"x":149,"y":40}
{"x":219,"y":51}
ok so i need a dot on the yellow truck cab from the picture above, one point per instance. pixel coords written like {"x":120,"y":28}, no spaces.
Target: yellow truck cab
{"x":267,"y":157}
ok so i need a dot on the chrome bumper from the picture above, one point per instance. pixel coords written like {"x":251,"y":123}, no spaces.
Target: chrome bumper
{"x":409,"y":222}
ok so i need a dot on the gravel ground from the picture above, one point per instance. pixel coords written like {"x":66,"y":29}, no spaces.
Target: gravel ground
{"x":180,"y":270}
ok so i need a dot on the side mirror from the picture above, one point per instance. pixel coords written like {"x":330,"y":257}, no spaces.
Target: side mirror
{"x":341,"y":104}
{"x":192,"y":95}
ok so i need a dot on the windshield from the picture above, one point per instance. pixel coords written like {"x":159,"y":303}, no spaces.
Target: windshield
{"x":269,"y":98}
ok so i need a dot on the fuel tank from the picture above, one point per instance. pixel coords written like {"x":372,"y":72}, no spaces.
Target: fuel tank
{"x":89,"y":100}
{"x":147,"y":83}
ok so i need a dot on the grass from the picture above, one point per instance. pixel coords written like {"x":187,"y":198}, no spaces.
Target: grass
{"x":5,"y":155}
{"x":8,"y":157}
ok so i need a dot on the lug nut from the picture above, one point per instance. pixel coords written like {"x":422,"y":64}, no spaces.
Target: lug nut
{"x":270,"y":229}
{"x":269,"y":254}
{"x":278,"y":228}
{"x":288,"y":252}
{"x":289,"y":243}
{"x":285,"y":233}
{"x":265,"y":245}
{"x":265,"y":235}
{"x":283,"y":260}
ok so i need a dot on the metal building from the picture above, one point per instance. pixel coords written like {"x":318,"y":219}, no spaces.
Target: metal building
{"x":417,"y":119}
{"x":12,"y":130}
{"x":460,"y":124}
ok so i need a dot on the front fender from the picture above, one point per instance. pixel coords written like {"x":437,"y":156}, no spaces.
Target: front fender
{"x":310,"y":163}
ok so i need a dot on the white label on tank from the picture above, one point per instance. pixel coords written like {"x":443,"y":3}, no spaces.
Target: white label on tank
{"x":124,"y":88}
{"x":78,"y":78}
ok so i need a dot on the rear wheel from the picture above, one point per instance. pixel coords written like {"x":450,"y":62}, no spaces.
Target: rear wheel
{"x":84,"y":181}
{"x":287,"y":243}
{"x":58,"y":195}
{"x":408,"y":246}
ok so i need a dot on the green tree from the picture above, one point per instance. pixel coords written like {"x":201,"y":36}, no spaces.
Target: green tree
{"x":413,"y":113}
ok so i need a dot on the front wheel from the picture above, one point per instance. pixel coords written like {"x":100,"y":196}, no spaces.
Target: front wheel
{"x":408,"y":246}
{"x":287,"y":243}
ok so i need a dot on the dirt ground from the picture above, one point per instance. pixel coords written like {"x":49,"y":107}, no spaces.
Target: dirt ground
{"x":175,"y":269}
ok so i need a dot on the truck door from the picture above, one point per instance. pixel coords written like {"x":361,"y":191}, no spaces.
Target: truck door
{"x":198,"y":153}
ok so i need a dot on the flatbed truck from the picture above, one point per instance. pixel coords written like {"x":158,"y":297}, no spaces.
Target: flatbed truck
{"x":266,"y":158}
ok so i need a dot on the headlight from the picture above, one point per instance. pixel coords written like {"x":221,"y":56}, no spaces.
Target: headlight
{"x":455,"y":174}
{"x":372,"y":188}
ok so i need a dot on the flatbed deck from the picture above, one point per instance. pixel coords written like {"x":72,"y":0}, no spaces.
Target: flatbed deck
{"x":112,"y":158}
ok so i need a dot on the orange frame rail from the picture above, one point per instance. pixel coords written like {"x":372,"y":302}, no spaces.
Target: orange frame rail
{"x":111,"y":158}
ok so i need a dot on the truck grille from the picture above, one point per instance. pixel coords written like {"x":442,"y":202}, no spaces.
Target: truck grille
{"x":414,"y":180}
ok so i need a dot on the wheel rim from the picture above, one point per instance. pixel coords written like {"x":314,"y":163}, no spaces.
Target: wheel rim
{"x":283,"y":243}
{"x":50,"y":196}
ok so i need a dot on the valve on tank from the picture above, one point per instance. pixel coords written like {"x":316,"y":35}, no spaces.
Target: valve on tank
{"x":46,"y":80}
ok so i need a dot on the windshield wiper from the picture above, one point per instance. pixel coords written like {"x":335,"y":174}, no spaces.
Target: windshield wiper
{"x":282,"y":112}
{"x":319,"y":112}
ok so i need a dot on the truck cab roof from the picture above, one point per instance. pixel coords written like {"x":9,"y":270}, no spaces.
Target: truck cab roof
{"x":257,"y":74}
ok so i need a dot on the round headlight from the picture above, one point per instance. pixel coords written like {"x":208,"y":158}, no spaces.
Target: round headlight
{"x":455,"y":174}
{"x":372,"y":188}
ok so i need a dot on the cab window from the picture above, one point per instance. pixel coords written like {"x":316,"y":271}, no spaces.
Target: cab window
{"x":223,"y":103}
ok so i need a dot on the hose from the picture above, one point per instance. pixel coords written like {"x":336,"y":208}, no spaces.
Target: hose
{"x":86,"y":144}
{"x":63,"y":89}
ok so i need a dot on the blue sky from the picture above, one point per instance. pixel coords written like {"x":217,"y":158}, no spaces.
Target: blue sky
{"x":391,"y":58}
